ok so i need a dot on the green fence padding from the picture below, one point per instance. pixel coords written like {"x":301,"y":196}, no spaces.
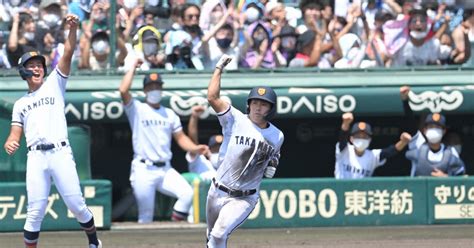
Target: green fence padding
{"x":371,"y":201}
{"x":13,"y":203}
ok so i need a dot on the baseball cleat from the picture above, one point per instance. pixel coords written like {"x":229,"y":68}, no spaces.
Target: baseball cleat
{"x":96,"y":246}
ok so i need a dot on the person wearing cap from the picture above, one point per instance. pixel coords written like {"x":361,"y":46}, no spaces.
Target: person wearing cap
{"x":308,"y":49}
{"x":147,"y":47}
{"x":354,"y":159}
{"x":284,"y":45}
{"x":205,"y":165}
{"x":421,"y":47}
{"x":40,"y":115}
{"x":153,"y":127}
{"x":428,"y":155}
{"x":250,"y":150}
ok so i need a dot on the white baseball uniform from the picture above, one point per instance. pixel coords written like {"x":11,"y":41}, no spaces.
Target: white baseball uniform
{"x":152,"y":131}
{"x":244,"y":154}
{"x":350,"y":166}
{"x":41,"y":115}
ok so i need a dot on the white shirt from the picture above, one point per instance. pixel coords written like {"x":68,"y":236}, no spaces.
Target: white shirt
{"x":41,"y":113}
{"x":199,"y":164}
{"x":350,"y":166}
{"x":215,"y":53}
{"x":410,"y":55}
{"x":245,"y":150}
{"x":152,"y":130}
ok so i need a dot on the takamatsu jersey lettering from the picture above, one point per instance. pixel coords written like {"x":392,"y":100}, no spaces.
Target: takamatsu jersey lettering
{"x":41,"y":113}
{"x":349,"y":165}
{"x":152,"y":130}
{"x":245,"y":150}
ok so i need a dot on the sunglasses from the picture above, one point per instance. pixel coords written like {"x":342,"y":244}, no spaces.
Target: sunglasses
{"x":190,"y":17}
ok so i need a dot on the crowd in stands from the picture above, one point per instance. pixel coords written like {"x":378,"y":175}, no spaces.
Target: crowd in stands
{"x":180,"y":34}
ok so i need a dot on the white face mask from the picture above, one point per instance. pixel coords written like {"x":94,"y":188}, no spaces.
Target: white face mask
{"x":214,"y":159}
{"x":252,"y":14}
{"x":458,"y":149}
{"x":434,"y":135}
{"x":153,"y":96}
{"x":100,"y":47}
{"x":130,"y":4}
{"x":30,"y":36}
{"x":51,"y":20}
{"x":361,"y":144}
{"x":417,"y":35}
{"x":445,"y":51}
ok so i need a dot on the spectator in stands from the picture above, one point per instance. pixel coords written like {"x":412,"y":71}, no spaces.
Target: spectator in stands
{"x":311,"y":11}
{"x":421,"y":48}
{"x":131,"y":17}
{"x":462,"y":37}
{"x":22,"y":37}
{"x":468,"y":24}
{"x":428,"y":155}
{"x":51,"y":19}
{"x":221,"y":39}
{"x":147,"y":47}
{"x":353,"y":53}
{"x":4,"y":63}
{"x":284,"y":45}
{"x":95,"y":54}
{"x":376,"y":49}
{"x":212,"y":13}
{"x":308,"y":49}
{"x":256,"y":51}
{"x":354,"y":159}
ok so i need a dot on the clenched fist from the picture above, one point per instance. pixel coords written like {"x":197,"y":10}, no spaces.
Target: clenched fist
{"x":405,"y":137}
{"x":223,"y":61}
{"x":404,"y":90}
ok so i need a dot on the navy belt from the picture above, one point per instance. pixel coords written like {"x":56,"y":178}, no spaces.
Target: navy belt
{"x":233,"y":192}
{"x":157,"y":164}
{"x":46,"y":147}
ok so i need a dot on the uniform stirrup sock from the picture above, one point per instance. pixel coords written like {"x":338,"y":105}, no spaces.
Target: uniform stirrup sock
{"x":91,"y":232}
{"x":30,"y":239}
{"x":178,"y":216}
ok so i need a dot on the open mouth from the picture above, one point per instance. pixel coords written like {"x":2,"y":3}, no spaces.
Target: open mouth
{"x":36,"y":75}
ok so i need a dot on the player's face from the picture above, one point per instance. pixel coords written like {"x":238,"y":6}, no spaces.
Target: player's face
{"x":36,"y":67}
{"x":258,"y":110}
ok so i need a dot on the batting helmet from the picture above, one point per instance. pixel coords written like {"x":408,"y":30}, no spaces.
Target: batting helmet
{"x":264,"y":93}
{"x":24,"y":73}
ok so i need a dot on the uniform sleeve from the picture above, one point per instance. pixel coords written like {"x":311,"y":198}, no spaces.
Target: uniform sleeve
{"x":60,"y":78}
{"x":227,"y":119}
{"x":176,"y":124}
{"x":131,"y":110}
{"x":456,"y":165}
{"x":17,"y":117}
{"x":378,"y":161}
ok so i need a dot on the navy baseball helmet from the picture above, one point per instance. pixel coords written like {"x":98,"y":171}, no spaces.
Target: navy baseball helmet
{"x":264,"y":93}
{"x":24,"y":73}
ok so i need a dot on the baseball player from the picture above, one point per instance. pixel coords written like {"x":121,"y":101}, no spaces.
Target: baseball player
{"x":40,"y":114}
{"x":250,"y":150}
{"x":152,"y":126}
{"x":204,"y":165}
{"x":428,"y":155}
{"x":353,"y":158}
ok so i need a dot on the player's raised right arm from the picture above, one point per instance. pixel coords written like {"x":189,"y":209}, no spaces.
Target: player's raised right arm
{"x":214,"y":88}
{"x":13,"y":141}
{"x":126,"y":83}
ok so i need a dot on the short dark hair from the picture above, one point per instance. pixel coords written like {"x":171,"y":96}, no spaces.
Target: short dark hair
{"x":228,"y":27}
{"x":187,"y":6}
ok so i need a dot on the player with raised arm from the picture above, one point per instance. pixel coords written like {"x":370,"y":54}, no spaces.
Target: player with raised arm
{"x":250,"y":151}
{"x":40,"y":114}
{"x":153,"y":126}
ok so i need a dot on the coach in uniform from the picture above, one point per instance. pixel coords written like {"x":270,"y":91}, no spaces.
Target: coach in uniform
{"x":250,"y":150}
{"x":152,"y":126}
{"x":428,"y":155}
{"x":40,"y":114}
{"x":353,"y":158}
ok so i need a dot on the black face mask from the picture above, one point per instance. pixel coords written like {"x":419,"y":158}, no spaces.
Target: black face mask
{"x":224,"y":43}
{"x":193,"y":29}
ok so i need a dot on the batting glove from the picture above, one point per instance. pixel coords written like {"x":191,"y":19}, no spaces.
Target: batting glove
{"x":269,"y":171}
{"x":223,"y":61}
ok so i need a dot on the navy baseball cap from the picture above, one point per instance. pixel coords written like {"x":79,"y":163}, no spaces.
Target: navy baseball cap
{"x":152,"y":78}
{"x":215,"y":140}
{"x":437,"y":119}
{"x":361,"y":127}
